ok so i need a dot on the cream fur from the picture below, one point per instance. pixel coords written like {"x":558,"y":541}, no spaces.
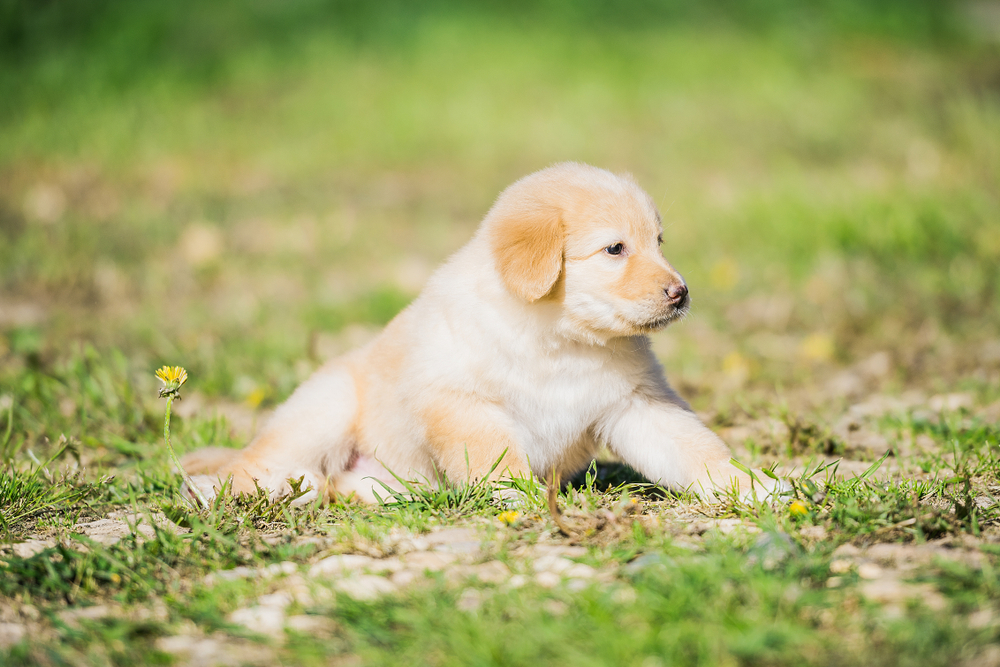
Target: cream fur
{"x":530,"y":339}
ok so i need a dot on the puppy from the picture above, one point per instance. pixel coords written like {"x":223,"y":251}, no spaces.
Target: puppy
{"x":528,"y":346}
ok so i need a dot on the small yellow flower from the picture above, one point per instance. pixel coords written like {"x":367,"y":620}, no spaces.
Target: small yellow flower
{"x":172,"y":378}
{"x":798,"y":508}
{"x":508,"y":517}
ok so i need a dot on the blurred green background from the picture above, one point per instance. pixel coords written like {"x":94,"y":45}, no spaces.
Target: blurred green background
{"x":246,"y":188}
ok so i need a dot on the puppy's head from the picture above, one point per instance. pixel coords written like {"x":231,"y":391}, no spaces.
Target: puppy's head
{"x":590,"y":240}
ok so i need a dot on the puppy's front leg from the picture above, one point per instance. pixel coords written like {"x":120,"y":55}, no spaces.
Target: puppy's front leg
{"x":468,"y":437}
{"x":666,"y":442}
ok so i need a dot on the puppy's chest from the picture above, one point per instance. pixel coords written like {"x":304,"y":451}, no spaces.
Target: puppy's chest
{"x":563,"y":397}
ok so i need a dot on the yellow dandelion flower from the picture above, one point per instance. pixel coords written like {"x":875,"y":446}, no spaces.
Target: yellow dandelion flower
{"x":508,"y":517}
{"x":798,"y":508}
{"x":172,"y":378}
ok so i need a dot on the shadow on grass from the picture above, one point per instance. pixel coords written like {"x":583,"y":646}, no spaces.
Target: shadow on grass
{"x":605,"y":476}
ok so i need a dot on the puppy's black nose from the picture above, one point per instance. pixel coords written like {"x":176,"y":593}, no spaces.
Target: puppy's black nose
{"x":677,"y":294}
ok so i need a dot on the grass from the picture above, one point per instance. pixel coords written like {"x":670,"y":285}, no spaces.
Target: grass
{"x":248,"y":189}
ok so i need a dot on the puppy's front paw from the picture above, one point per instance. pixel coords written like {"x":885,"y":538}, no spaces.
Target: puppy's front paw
{"x":203,"y":483}
{"x":763,"y":488}
{"x":511,"y":498}
{"x":728,"y":481}
{"x":302,"y":482}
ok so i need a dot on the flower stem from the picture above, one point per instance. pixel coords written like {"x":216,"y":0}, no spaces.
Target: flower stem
{"x":202,"y":500}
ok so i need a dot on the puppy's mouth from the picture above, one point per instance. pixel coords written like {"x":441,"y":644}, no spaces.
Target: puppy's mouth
{"x":661,"y":321}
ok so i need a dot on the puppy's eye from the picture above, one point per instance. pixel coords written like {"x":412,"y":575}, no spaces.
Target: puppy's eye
{"x":659,"y":239}
{"x":615,"y":249}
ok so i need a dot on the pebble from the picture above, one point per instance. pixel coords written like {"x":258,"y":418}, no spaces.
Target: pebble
{"x":556,"y":564}
{"x":309,"y":625}
{"x":491,"y":572}
{"x":339,"y":564}
{"x":209,"y":651}
{"x":846,"y":551}
{"x":539,"y":550}
{"x":281,"y":599}
{"x":29,"y":548}
{"x":11,"y":633}
{"x":869,"y":571}
{"x":555,"y":607}
{"x":365,"y":586}
{"x":265,"y":619}
{"x":404,"y":578}
{"x":888,"y":591}
{"x":814,"y":532}
{"x":454,"y":540}
{"x":244,"y":572}
{"x":72,"y":616}
{"x":110,"y":531}
{"x":547,"y":579}
{"x":841,"y":566}
{"x":428,"y":560}
{"x":469,"y":600}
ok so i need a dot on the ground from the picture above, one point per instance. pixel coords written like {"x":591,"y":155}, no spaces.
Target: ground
{"x":196,"y":188}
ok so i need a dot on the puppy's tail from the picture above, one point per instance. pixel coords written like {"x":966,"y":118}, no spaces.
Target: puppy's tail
{"x":208,"y":461}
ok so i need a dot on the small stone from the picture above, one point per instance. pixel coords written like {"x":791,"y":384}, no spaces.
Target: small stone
{"x":11,"y":633}
{"x":339,"y":564}
{"x":841,"y":566}
{"x":556,"y":564}
{"x":834,"y":582}
{"x":869,"y":571}
{"x":384,"y":565}
{"x":539,"y":550}
{"x":110,"y":531}
{"x":72,"y":616}
{"x":555,"y":607}
{"x":365,"y":586}
{"x":268,"y":620}
{"x":281,"y":599}
{"x":454,"y":540}
{"x":404,"y":578}
{"x":814,"y":533}
{"x":892,"y":592}
{"x":309,"y":625}
{"x":580,"y":571}
{"x":469,"y":600}
{"x":576,"y":584}
{"x":981,"y":619}
{"x":951,"y":402}
{"x":846,"y":551}
{"x":547,"y":579}
{"x":207,"y":651}
{"x":428,"y":560}
{"x":493,"y":572}
{"x":517,"y":581}
{"x":276,"y":569}
{"x":29,"y":548}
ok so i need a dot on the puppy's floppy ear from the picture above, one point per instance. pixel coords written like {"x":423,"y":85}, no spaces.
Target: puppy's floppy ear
{"x":526,"y":240}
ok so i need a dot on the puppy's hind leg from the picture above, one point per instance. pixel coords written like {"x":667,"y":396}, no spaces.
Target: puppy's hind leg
{"x":310,"y":436}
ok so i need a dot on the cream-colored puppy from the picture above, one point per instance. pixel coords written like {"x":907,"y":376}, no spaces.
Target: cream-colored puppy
{"x":530,"y":343}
